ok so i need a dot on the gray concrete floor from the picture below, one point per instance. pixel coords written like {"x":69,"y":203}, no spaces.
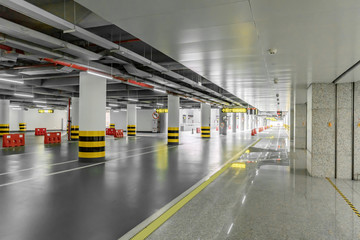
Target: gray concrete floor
{"x":269,"y":197}
{"x":45,"y":193}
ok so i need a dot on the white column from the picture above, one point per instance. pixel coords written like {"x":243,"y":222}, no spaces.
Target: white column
{"x":21,"y":120}
{"x":234,"y":122}
{"x":242,"y":121}
{"x":223,"y":122}
{"x":173,"y":119}
{"x":4,"y":117}
{"x":131,"y":119}
{"x":92,"y":120}
{"x":205,"y":120}
{"x":74,"y":118}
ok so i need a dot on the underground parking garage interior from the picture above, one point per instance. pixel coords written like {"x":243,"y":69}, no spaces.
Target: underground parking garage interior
{"x":206,"y":119}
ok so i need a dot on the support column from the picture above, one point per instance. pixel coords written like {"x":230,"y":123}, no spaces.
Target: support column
{"x":234,"y":120}
{"x":21,"y":120}
{"x":321,"y":129}
{"x":205,"y":120}
{"x":300,"y":126}
{"x":246,"y":121}
{"x":75,"y":119}
{"x":4,"y":117}
{"x":131,"y":119}
{"x":173,"y":119}
{"x":92,"y":120}
{"x":223,"y":126}
{"x":344,"y":130}
{"x":242,"y":121}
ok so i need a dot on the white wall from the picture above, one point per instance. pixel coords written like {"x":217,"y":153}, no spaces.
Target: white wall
{"x":143,"y":121}
{"x":33,"y":119}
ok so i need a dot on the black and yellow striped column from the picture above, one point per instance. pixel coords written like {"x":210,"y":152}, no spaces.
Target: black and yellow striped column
{"x":91,"y":146}
{"x":74,"y":133}
{"x":173,"y":135}
{"x":131,"y":130}
{"x":4,"y":129}
{"x":22,"y":127}
{"x":205,"y":132}
{"x":112,"y":125}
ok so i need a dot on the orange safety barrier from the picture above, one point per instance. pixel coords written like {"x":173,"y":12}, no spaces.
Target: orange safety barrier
{"x":40,"y":131}
{"x":53,"y":137}
{"x":119,"y":133}
{"x":13,"y":140}
{"x":110,"y":131}
{"x":198,"y":130}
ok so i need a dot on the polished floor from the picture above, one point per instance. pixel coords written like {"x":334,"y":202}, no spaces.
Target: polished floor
{"x":45,"y":193}
{"x":267,"y":194}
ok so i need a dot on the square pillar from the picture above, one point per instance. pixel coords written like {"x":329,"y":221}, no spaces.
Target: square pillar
{"x":173,"y":119}
{"x":321,"y":129}
{"x":205,"y":120}
{"x":131,"y":119}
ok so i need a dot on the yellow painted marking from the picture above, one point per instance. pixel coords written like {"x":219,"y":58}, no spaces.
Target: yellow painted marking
{"x":173,"y":140}
{"x":92,"y":144}
{"x":173,"y":134}
{"x":205,"y":128}
{"x":345,"y":198}
{"x":144,"y":233}
{"x":91,"y":154}
{"x":173,"y":128}
{"x":4,"y":125}
{"x":91,"y":133}
{"x":205,"y":136}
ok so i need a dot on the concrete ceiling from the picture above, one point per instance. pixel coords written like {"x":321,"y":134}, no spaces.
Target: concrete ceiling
{"x":227,"y":41}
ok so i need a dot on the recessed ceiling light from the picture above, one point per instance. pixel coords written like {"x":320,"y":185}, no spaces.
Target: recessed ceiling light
{"x":24,"y":95}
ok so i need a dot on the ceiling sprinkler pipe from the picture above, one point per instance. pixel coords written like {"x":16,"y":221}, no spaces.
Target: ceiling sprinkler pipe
{"x":81,"y":68}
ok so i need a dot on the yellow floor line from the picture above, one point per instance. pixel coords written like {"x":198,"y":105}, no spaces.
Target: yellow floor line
{"x":345,"y":198}
{"x":145,"y":232}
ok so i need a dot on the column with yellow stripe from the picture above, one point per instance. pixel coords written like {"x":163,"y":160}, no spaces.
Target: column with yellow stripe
{"x":131,"y":119}
{"x":112,"y":125}
{"x":205,"y":120}
{"x":92,"y":118}
{"x":21,"y":119}
{"x":173,"y":119}
{"x":4,"y":117}
{"x":74,"y":131}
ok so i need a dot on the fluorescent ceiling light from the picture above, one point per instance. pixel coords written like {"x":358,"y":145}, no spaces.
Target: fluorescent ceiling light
{"x":159,"y":90}
{"x":24,"y":95}
{"x":12,"y":81}
{"x":123,"y":110}
{"x":108,"y":107}
{"x":99,"y":74}
{"x":16,"y":108}
{"x":116,"y":111}
{"x":132,"y":99}
{"x":138,"y":107}
{"x":160,"y":104}
{"x":38,"y":101}
{"x":113,"y":105}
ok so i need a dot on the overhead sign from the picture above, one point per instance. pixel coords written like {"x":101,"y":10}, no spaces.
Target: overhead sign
{"x":162,"y":110}
{"x":46,"y":111}
{"x":234,"y":110}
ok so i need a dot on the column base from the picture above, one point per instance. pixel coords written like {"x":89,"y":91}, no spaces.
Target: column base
{"x":205,"y":132}
{"x":131,"y":130}
{"x":173,"y":143}
{"x":92,"y":160}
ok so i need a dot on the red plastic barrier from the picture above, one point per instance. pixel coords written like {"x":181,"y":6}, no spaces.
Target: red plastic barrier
{"x":110,"y":131}
{"x":197,"y":130}
{"x":119,"y":133}
{"x":53,"y":137}
{"x":217,"y":128}
{"x":253,"y":132}
{"x":40,"y":131}
{"x":13,"y":140}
